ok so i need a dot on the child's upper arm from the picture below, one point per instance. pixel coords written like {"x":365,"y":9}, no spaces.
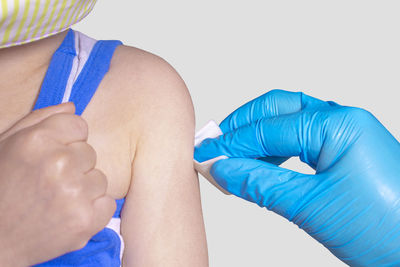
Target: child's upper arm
{"x":162,"y":223}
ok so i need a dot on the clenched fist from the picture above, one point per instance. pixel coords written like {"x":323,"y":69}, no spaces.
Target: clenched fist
{"x":52,"y":199}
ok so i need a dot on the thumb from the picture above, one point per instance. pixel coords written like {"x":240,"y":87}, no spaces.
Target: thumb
{"x":37,"y":116}
{"x":278,"y":189}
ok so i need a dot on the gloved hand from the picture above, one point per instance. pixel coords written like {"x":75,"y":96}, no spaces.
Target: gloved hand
{"x":352,"y":203}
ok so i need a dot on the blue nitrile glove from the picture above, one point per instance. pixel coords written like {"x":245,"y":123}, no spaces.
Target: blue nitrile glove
{"x":352,"y":203}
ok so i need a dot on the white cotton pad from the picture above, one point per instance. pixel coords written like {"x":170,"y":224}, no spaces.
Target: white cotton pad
{"x":210,"y":130}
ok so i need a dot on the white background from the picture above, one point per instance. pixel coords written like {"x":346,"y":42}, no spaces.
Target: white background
{"x":229,"y":52}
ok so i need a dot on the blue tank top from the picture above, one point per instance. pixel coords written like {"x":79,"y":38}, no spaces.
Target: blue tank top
{"x":76,"y":69}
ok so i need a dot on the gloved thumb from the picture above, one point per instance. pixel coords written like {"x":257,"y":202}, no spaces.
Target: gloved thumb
{"x":280,"y":190}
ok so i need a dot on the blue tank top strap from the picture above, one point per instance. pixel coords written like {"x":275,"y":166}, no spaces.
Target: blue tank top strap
{"x":105,"y":248}
{"x":85,"y":86}
{"x":56,"y":78}
{"x":120,"y":204}
{"x":92,"y":74}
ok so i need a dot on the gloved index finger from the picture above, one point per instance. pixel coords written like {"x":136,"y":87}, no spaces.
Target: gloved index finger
{"x":240,"y":143}
{"x":280,"y":136}
{"x":274,"y":103}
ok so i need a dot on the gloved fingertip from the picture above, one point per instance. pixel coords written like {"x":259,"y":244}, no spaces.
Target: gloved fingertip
{"x":202,"y":152}
{"x":208,"y":149}
{"x":228,"y":174}
{"x":219,"y":171}
{"x":198,"y":155}
{"x":220,"y":166}
{"x":224,"y":125}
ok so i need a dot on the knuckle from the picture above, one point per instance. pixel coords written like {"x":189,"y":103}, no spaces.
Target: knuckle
{"x":100,"y":180}
{"x":73,"y":189}
{"x":81,"y":222}
{"x":100,"y":175}
{"x":92,"y":151}
{"x":355,"y":118}
{"x":33,"y":136}
{"x":275,"y":98}
{"x":281,"y":94}
{"x":359,"y":115}
{"x":358,"y":112}
{"x":275,"y":92}
{"x":30,"y":141}
{"x":60,"y":161}
{"x":75,"y":123}
{"x":80,"y":125}
{"x":83,"y":148}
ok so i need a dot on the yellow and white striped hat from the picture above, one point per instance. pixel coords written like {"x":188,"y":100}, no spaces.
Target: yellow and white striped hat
{"x":23,"y":21}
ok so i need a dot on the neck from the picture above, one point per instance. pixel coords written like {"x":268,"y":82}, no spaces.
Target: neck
{"x":18,"y":63}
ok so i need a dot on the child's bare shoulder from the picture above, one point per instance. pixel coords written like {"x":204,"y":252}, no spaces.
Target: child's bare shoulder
{"x":141,"y":97}
{"x":150,"y":86}
{"x":145,"y":72}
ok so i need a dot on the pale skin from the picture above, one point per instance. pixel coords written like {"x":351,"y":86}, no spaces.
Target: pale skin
{"x":141,"y":125}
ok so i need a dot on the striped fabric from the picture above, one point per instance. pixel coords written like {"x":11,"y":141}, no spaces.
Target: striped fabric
{"x":23,"y":21}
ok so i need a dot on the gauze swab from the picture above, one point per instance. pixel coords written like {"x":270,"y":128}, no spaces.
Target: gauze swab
{"x":210,"y":130}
